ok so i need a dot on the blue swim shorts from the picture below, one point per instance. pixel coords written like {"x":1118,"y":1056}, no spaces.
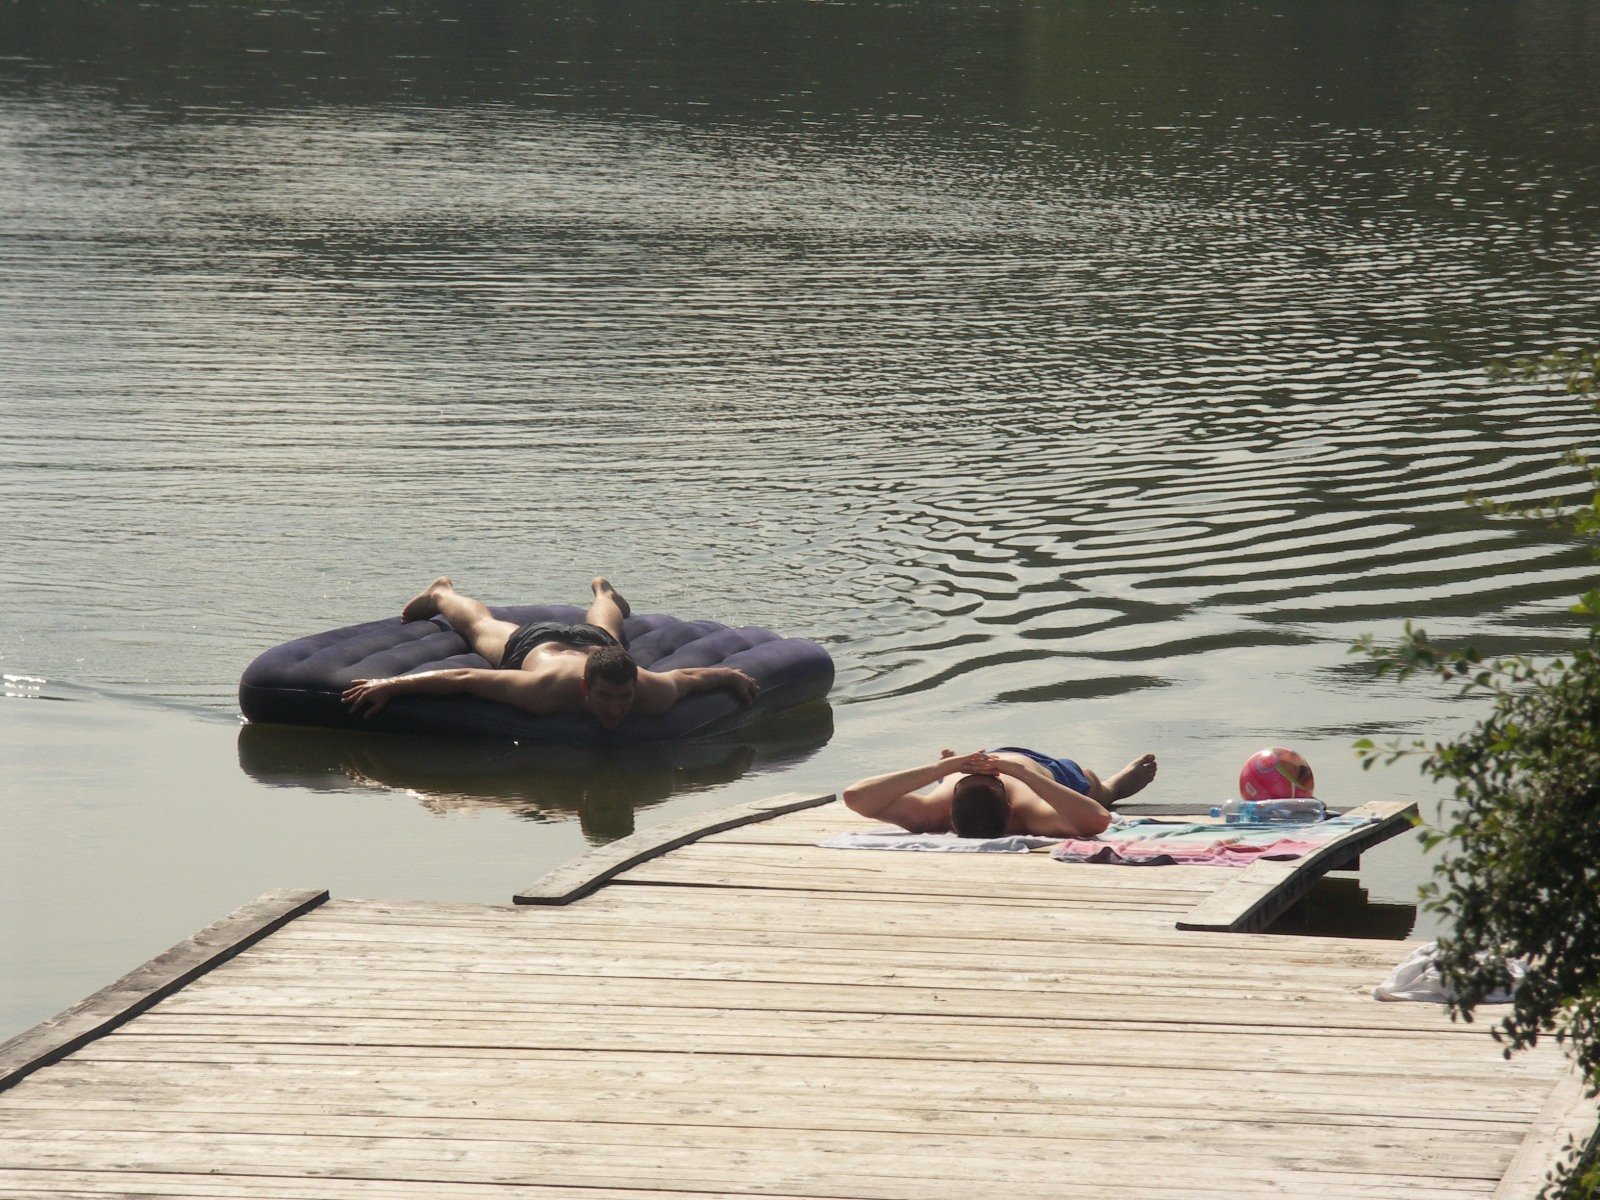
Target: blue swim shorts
{"x":1065,"y":772}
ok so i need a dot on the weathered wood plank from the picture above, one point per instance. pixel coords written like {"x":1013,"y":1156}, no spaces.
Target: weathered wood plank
{"x":1118,"y":989}
{"x":672,"y":1156}
{"x":52,"y":1184}
{"x":1302,"y":1055}
{"x":212,"y":1185}
{"x":731,"y":1090}
{"x":1023,"y":920}
{"x":632,"y":1156}
{"x":944,"y":999}
{"x":1033,"y":887}
{"x":1568,"y":1122}
{"x":1068,"y":1012}
{"x":136,"y":991}
{"x":695,"y":1124}
{"x":869,"y":956}
{"x":458,"y":1070}
{"x":1058,"y":1016}
{"x":568,"y":883}
{"x":865,"y":934}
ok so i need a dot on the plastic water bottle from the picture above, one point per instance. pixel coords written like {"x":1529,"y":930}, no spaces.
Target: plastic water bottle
{"x":1302,"y":811}
{"x":1299,"y":811}
{"x":1228,"y":810}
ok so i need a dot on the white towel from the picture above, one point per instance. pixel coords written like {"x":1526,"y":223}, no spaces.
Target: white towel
{"x":1418,"y":978}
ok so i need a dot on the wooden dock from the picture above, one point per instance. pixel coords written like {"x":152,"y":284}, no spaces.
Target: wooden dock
{"x":722,"y":1009}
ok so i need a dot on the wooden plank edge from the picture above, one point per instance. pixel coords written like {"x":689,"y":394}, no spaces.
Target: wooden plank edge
{"x":1267,"y":888}
{"x":1569,"y":1119}
{"x":138,"y":990}
{"x":577,"y":879}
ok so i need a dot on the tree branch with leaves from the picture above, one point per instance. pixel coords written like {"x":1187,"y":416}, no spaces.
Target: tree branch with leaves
{"x":1520,"y":872}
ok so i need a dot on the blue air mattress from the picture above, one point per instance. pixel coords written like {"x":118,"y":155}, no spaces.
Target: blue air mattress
{"x":300,"y":682}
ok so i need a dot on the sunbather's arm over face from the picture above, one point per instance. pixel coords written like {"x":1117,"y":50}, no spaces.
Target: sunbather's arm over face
{"x":894,"y":797}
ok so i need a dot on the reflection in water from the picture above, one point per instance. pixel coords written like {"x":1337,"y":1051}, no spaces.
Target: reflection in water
{"x":603,"y":787}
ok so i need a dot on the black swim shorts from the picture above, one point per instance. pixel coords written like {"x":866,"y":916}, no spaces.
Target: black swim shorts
{"x":537,"y":632}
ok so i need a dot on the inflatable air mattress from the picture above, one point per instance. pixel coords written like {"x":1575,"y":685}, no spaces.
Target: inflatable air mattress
{"x":300,"y":682}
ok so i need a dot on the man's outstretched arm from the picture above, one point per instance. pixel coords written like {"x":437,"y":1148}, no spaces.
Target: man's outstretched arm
{"x":373,"y":695}
{"x":657,"y":691}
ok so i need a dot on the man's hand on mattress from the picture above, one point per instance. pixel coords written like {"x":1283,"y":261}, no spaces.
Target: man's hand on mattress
{"x":743,"y":686}
{"x":370,"y":694}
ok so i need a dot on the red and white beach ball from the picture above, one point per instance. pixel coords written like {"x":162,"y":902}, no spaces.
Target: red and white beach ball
{"x":1276,"y":774}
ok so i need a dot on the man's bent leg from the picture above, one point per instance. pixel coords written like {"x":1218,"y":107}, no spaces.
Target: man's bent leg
{"x":609,"y":608}
{"x":1134,"y":777}
{"x":483,"y":631}
{"x":1098,"y":791}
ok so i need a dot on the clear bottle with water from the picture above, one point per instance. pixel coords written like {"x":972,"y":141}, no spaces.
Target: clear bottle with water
{"x":1300,"y":811}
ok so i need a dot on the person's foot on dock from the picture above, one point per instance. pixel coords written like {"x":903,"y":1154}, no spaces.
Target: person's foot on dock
{"x":1134,"y":777}
{"x":425,"y":603}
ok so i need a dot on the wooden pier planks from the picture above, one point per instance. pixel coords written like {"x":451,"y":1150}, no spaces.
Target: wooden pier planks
{"x":161,"y":976}
{"x":752,"y":1016}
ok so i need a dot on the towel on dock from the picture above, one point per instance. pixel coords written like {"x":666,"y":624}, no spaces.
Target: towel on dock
{"x":1144,"y":842}
{"x":899,"y":839}
{"x":1418,"y":978}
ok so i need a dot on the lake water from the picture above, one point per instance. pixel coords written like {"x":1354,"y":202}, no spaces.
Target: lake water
{"x":1081,"y":375}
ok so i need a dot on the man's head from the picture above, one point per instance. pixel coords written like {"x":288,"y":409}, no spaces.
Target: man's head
{"x":979,"y":807}
{"x":609,"y":679}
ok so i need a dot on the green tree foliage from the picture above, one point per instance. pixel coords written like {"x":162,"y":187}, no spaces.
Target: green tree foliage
{"x":1520,"y":873}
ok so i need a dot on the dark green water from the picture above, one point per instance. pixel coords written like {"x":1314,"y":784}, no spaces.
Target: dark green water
{"x":1083,"y":375}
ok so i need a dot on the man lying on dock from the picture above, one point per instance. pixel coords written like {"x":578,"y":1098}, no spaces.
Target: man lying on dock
{"x":547,"y":666}
{"x":998,"y":793}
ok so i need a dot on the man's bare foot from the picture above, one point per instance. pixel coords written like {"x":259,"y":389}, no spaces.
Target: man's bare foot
{"x":1134,"y":777}
{"x":425,"y":603}
{"x":602,"y":584}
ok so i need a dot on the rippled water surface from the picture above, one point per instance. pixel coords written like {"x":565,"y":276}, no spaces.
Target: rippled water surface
{"x":1082,"y":375}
